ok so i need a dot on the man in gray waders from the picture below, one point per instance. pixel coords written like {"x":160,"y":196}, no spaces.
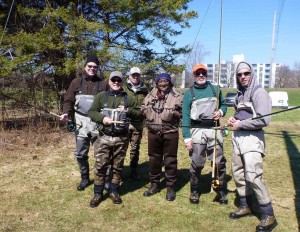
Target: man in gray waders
{"x":77,"y":102}
{"x":249,"y":146}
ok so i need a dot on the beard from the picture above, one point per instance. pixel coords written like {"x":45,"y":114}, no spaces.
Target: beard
{"x":200,"y":82}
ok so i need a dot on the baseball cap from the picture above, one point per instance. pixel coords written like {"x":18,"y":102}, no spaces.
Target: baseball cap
{"x":199,"y":66}
{"x":134,"y":70}
{"x":116,"y":74}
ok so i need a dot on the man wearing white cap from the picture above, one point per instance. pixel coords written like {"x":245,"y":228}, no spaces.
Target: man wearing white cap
{"x":135,"y":87}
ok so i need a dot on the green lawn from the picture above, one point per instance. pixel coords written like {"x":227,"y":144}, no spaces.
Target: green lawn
{"x":39,"y":177}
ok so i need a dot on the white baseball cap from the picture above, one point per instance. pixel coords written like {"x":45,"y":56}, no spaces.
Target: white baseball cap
{"x":134,"y":70}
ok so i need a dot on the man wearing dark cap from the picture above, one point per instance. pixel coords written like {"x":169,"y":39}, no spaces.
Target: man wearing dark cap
{"x":111,"y":110}
{"x":249,"y":146}
{"x":77,"y":102}
{"x":203,"y":106}
{"x":136,"y":88}
{"x":162,"y":111}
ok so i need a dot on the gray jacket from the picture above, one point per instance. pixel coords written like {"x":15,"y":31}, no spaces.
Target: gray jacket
{"x":258,"y":98}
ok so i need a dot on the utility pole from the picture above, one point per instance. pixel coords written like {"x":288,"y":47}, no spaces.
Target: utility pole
{"x":183,"y":79}
{"x":272,"y":78}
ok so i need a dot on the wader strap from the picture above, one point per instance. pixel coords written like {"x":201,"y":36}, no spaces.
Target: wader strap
{"x":193,"y":92}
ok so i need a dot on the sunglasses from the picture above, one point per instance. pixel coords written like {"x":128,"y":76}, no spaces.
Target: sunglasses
{"x":199,"y":73}
{"x":244,"y":73}
{"x":116,"y":80}
{"x":92,"y":66}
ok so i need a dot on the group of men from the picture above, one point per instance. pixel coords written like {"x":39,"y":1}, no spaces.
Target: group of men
{"x":111,"y":115}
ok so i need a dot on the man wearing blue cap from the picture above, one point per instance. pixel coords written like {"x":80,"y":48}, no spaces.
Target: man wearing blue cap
{"x":162,"y":110}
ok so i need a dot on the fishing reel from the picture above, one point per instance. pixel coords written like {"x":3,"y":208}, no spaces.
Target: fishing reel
{"x":71,"y":127}
{"x":99,"y":126}
{"x":225,"y":132}
{"x":215,"y":184}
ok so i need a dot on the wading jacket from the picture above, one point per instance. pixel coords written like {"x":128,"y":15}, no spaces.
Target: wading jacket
{"x":162,"y":116}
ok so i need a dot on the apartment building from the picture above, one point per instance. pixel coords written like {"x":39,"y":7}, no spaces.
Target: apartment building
{"x":227,"y":73}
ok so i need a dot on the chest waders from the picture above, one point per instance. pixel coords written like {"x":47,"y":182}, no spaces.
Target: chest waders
{"x":202,"y":113}
{"x":85,"y":130}
{"x":117,"y":115}
{"x":245,"y":110}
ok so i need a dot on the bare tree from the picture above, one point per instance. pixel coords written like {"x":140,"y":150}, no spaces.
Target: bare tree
{"x":196,"y":56}
{"x":297,"y":73}
{"x":285,"y":78}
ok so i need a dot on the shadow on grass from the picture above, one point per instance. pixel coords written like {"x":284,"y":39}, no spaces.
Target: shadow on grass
{"x":294,"y":156}
{"x":130,"y":185}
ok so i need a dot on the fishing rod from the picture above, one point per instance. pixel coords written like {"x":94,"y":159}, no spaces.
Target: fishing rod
{"x":70,"y":124}
{"x":258,"y":117}
{"x":215,"y":181}
{"x":30,"y":105}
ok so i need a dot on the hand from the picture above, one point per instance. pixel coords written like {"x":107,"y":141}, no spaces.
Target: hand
{"x":107,"y":121}
{"x":230,"y":121}
{"x":217,"y":115}
{"x":176,"y":114}
{"x":189,"y":145}
{"x":121,"y":107}
{"x":143,"y":112}
{"x":236,"y":125}
{"x":64,"y":117}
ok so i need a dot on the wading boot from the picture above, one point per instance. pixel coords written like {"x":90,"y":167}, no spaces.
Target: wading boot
{"x":96,"y":200}
{"x":221,"y":198}
{"x":171,"y":194}
{"x":154,"y":188}
{"x":242,"y":211}
{"x":194,"y":197}
{"x":115,"y":197}
{"x":268,"y":223}
{"x":83,"y":184}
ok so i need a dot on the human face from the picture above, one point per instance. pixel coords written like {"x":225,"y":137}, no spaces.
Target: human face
{"x":135,"y":78}
{"x":243,"y":77}
{"x":163,"y":84}
{"x":200,"y":76}
{"x":115,"y":83}
{"x":91,"y":69}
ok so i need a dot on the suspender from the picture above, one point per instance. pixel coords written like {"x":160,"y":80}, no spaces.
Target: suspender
{"x":80,"y":88}
{"x":124,"y":96}
{"x":193,"y":92}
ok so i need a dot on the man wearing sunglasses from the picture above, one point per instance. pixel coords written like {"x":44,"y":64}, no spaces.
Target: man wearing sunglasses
{"x":77,"y":102}
{"x":249,"y":146}
{"x":203,"y":106}
{"x":135,"y":87}
{"x":111,"y":109}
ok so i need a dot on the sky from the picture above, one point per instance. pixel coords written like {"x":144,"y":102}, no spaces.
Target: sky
{"x":247,"y":28}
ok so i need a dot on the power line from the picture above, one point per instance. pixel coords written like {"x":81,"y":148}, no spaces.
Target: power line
{"x":198,"y":32}
{"x":6,"y":21}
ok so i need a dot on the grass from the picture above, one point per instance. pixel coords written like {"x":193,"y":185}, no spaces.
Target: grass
{"x":39,"y":175}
